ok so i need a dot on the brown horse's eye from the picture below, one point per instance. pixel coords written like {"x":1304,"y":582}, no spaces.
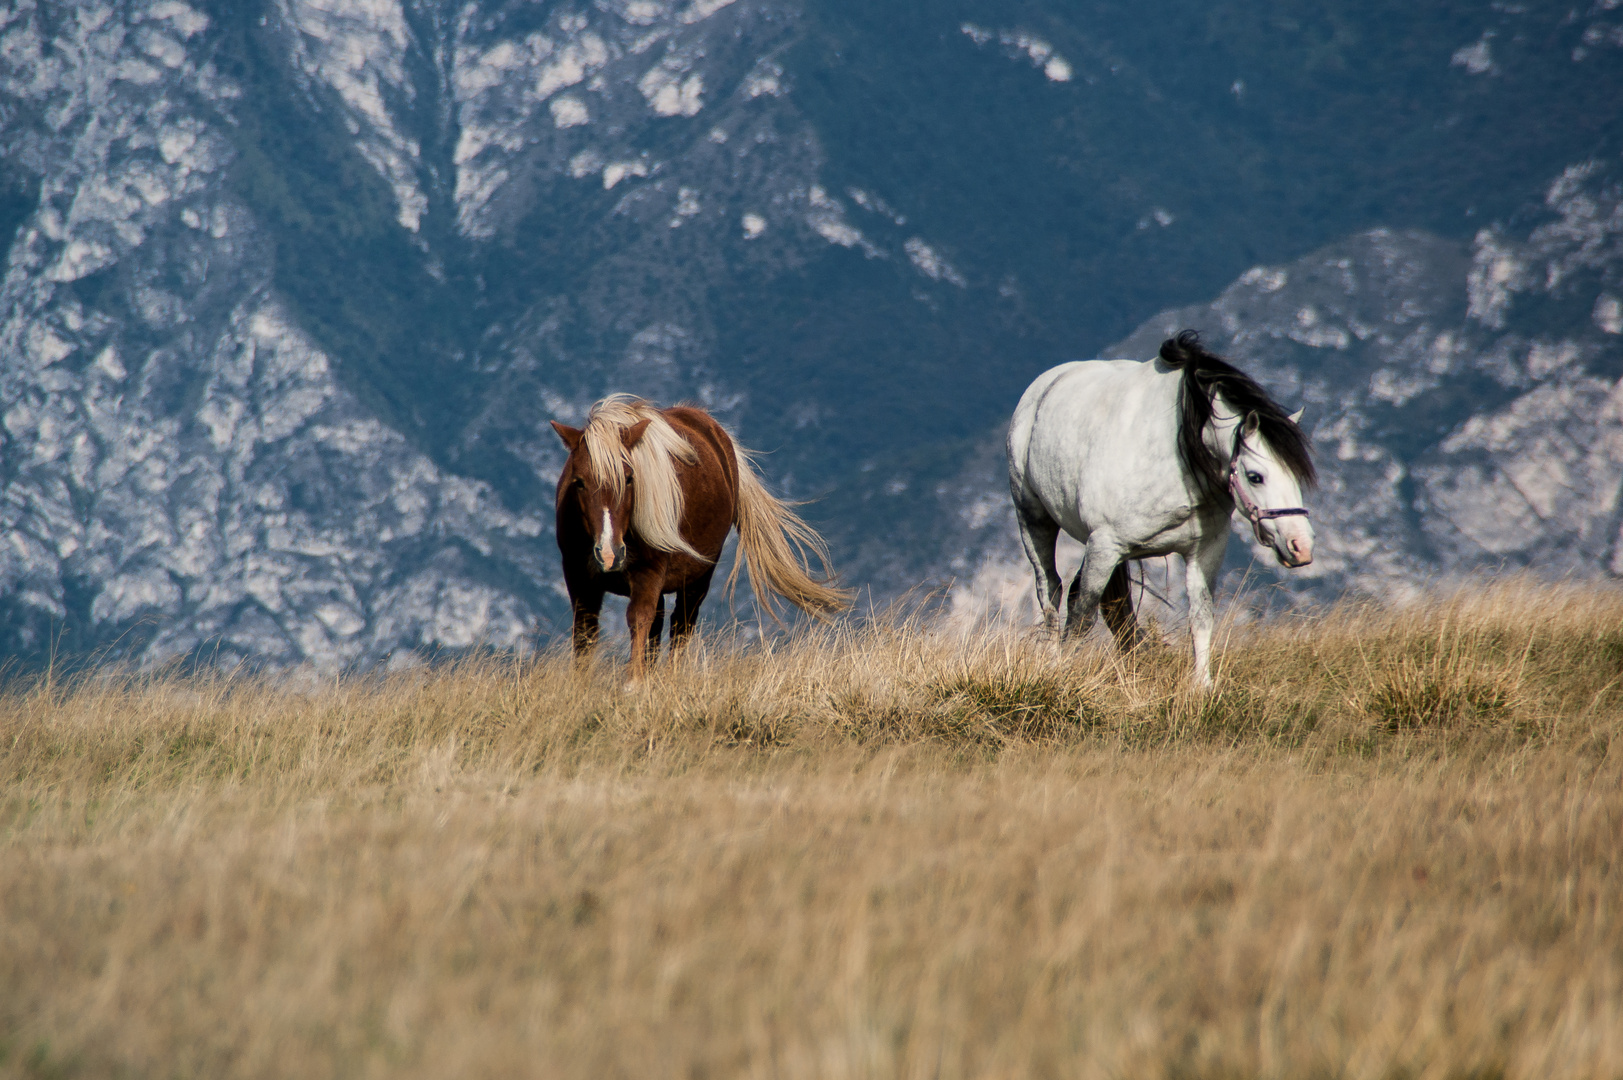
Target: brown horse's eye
{"x":630,"y":479}
{"x":577,"y":483}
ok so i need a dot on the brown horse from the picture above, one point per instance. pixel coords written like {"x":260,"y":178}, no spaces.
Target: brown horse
{"x":645,"y":503}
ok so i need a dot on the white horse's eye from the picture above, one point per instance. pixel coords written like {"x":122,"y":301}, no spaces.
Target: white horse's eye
{"x":1254,"y":477}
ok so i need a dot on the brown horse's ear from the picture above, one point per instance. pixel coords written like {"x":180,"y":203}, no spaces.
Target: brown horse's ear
{"x":570,"y":435}
{"x":633,"y":434}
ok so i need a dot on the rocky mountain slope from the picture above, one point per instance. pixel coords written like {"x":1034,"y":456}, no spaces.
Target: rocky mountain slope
{"x":291,"y":287}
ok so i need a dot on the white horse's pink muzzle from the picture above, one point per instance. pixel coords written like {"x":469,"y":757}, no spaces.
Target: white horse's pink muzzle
{"x":1293,"y":542}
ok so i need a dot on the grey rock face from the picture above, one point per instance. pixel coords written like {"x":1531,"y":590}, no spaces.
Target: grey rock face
{"x":181,"y":469}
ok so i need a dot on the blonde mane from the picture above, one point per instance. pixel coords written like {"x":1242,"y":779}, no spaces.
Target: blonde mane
{"x":656,"y":514}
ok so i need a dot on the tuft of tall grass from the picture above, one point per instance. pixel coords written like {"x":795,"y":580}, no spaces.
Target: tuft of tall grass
{"x":1516,"y":663}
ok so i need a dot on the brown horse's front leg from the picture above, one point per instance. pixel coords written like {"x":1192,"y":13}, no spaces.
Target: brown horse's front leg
{"x":646,"y":588}
{"x":585,"y":630}
{"x":656,"y":628}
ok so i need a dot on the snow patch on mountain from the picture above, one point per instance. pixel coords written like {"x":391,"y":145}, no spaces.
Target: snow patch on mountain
{"x":930,"y":262}
{"x":670,"y":90}
{"x":700,"y":10}
{"x":1476,"y":58}
{"x":1017,"y":43}
{"x":826,"y":216}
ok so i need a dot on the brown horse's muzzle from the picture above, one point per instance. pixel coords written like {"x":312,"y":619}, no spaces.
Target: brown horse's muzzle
{"x":616,"y":561}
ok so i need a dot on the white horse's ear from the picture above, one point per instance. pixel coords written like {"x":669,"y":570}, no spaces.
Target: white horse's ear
{"x":1296,"y":417}
{"x":1251,"y":423}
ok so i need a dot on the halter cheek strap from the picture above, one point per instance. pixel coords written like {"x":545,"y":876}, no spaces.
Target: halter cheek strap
{"x":1254,"y":513}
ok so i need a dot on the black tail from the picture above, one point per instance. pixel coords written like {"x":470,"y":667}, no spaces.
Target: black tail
{"x":1116,"y":605}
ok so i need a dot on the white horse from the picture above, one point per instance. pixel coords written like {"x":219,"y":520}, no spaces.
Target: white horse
{"x":1138,"y":459}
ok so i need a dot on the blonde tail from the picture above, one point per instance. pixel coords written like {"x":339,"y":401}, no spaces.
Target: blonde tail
{"x":775,"y":542}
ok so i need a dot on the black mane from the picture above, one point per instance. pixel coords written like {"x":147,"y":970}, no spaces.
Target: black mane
{"x":1205,"y":375}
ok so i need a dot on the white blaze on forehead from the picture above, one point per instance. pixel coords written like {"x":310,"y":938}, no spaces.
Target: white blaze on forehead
{"x":605,"y":539}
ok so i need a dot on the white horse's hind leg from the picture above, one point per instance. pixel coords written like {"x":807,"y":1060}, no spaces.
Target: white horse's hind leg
{"x":1200,"y":578}
{"x":1038,"y":534}
{"x":1082,"y":606}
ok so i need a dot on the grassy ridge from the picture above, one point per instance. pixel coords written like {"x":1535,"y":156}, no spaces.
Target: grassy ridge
{"x":1389,"y":845}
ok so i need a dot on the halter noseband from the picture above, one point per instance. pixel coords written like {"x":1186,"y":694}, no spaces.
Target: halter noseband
{"x":1253,"y":513}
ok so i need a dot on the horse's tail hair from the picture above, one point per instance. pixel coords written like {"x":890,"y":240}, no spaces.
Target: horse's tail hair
{"x":1116,"y":604}
{"x":777,"y":544}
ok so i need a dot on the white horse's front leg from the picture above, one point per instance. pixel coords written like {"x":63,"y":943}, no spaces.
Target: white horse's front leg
{"x":1200,"y":578}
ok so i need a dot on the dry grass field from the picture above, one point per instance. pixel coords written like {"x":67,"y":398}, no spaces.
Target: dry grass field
{"x":1390,"y":845}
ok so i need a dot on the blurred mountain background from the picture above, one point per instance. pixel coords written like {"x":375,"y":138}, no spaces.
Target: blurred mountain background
{"x":292,"y":287}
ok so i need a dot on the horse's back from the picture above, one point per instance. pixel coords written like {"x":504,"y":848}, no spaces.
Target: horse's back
{"x":1025,"y":413}
{"x":1089,"y":436}
{"x":711,"y":485}
{"x":704,"y":431}
{"x":1094,"y":400}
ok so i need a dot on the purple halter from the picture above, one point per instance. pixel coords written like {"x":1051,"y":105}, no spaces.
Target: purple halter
{"x":1253,"y":513}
